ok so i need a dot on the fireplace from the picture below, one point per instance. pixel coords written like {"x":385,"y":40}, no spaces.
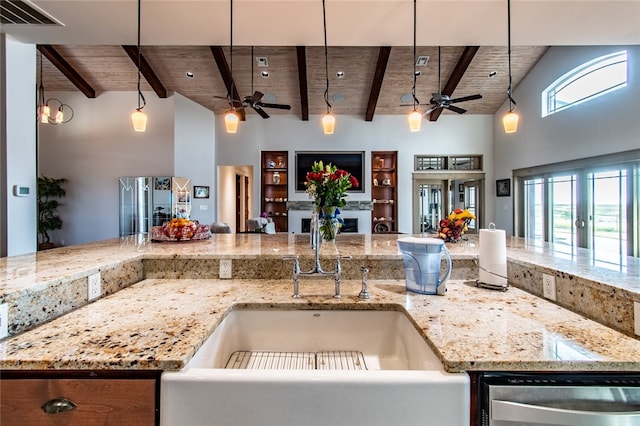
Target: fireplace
{"x":350,"y":225}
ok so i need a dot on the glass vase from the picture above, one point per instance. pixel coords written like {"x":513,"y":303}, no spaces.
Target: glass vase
{"x":329,"y":224}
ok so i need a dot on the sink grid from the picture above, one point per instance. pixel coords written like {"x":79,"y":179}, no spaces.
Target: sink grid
{"x":268,"y":360}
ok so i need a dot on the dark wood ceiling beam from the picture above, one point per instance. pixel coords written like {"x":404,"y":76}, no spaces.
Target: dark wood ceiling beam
{"x":458,"y":72}
{"x":301,"y":53}
{"x":146,"y":70}
{"x":378,"y":78}
{"x":227,"y":78}
{"x":65,"y":68}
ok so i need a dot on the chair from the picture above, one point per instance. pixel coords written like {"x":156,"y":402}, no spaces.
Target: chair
{"x":220,"y":228}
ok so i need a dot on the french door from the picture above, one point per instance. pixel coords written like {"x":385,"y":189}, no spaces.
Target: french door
{"x":591,"y":208}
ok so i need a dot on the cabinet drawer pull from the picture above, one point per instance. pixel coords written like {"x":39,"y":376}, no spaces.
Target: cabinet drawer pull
{"x":58,"y":405}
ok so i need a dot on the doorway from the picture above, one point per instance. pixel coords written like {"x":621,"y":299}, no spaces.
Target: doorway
{"x":435,"y":195}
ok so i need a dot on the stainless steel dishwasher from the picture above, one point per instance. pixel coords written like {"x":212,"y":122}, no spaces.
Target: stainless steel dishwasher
{"x":580,"y":399}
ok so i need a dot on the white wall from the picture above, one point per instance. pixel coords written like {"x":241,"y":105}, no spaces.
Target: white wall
{"x":194,"y":152}
{"x":20,"y":132}
{"x":450,"y":135}
{"x":604,"y":125}
{"x":94,"y":149}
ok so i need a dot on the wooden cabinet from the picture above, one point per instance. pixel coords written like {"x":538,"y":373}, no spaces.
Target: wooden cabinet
{"x":275,"y":184}
{"x":80,"y":399}
{"x":384,"y":191}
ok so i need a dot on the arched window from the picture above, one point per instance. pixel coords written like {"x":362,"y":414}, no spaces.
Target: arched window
{"x":585,"y":82}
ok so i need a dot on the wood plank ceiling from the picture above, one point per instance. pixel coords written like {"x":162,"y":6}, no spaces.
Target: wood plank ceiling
{"x":367,"y":89}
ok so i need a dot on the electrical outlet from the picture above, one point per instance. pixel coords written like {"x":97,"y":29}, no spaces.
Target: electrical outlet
{"x":94,"y":288}
{"x":4,"y":320}
{"x":636,"y":318}
{"x":549,"y":286}
{"x":225,"y":268}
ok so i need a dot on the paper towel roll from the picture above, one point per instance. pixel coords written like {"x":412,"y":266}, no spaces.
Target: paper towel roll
{"x":493,"y":257}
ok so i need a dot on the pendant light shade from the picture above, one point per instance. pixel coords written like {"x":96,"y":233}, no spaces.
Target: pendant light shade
{"x":415,"y":120}
{"x":328,"y":123}
{"x":231,"y":122}
{"x":510,"y":119}
{"x":44,"y":114}
{"x":139,"y":120}
{"x":510,"y":122}
{"x":328,"y":120}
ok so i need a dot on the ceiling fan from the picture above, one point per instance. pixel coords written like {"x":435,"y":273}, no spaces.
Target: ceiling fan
{"x":255,"y":100}
{"x":440,"y":100}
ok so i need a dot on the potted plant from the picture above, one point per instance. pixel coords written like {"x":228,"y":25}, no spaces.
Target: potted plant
{"x":49,"y":190}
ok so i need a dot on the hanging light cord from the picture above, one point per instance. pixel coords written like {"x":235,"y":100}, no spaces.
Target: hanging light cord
{"x":413,"y":89}
{"x":326,"y":56}
{"x":512,"y":103}
{"x":140,"y":95}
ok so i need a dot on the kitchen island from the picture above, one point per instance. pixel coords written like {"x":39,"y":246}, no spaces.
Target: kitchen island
{"x":162,"y":300}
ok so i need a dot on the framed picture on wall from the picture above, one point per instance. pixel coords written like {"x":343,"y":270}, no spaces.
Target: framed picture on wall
{"x":461,"y":187}
{"x":503,"y":187}
{"x":462,"y":198}
{"x":200,"y":191}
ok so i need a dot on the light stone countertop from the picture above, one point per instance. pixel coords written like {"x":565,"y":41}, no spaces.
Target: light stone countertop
{"x":46,"y":268}
{"x":159,"y":324}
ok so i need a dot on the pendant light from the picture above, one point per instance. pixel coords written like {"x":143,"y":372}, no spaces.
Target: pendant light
{"x":139,"y":118}
{"x":43,"y":108}
{"x":415,"y":118}
{"x":231,"y":118}
{"x":510,"y":119}
{"x":328,"y":120}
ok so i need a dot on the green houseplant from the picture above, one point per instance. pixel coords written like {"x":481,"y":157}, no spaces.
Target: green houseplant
{"x":49,"y":190}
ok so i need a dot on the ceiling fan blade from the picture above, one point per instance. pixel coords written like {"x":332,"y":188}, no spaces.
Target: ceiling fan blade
{"x":429,"y":111}
{"x":466,"y":98}
{"x":276,"y":106}
{"x":262,"y":113}
{"x":456,"y":109}
{"x":257,"y":96}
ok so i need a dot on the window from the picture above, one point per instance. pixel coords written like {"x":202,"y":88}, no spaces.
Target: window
{"x":585,"y":82}
{"x":591,"y":203}
{"x":466,"y":162}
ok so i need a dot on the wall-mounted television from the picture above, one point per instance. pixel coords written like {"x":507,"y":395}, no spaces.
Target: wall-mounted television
{"x":351,"y":161}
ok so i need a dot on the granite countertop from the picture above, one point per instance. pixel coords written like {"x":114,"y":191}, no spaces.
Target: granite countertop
{"x":159,"y":324}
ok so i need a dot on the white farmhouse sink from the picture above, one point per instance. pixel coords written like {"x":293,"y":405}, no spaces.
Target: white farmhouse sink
{"x":314,"y":367}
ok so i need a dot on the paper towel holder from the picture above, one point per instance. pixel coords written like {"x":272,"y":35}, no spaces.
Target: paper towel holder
{"x":492,"y":226}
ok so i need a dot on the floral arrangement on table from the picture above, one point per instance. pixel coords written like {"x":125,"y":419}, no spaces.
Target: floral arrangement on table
{"x":180,"y":229}
{"x":455,"y":225}
{"x":328,"y":185}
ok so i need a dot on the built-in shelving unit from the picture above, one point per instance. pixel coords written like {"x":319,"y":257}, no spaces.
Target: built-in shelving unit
{"x":275,"y":188}
{"x":384,"y":194}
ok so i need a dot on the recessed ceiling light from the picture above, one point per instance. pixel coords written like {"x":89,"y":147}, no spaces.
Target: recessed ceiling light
{"x":265,"y":74}
{"x":338,"y":98}
{"x":270,"y":98}
{"x":340,"y":74}
{"x":492,"y":74}
{"x":189,"y":74}
{"x":422,"y":61}
{"x":418,"y":73}
{"x":406,"y":98}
